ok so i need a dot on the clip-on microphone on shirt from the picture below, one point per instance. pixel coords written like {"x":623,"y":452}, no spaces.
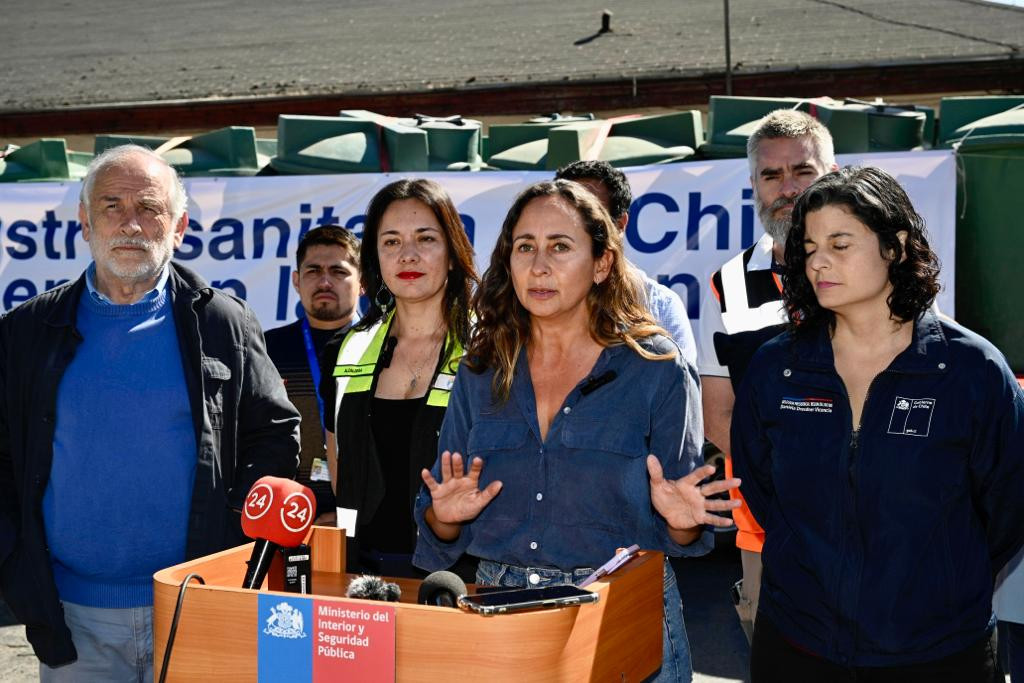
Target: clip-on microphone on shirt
{"x":595,"y":383}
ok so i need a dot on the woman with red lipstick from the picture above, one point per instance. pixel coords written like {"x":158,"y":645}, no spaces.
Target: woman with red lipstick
{"x":880,"y":449}
{"x":386,"y":383}
{"x":568,"y":389}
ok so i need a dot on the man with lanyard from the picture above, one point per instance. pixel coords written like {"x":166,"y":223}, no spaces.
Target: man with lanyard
{"x":787,"y":152}
{"x":327,"y":281}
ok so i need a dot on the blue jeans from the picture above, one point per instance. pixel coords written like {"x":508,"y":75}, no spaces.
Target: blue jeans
{"x":114,"y":646}
{"x":675,"y":663}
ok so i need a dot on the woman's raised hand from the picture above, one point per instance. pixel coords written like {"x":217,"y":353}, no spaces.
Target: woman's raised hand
{"x":458,"y":497}
{"x":684,"y":503}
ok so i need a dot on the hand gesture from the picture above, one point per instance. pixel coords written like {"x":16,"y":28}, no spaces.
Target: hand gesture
{"x":458,"y":497}
{"x":684,"y":503}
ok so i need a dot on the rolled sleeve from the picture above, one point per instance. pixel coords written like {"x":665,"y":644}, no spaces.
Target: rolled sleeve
{"x":677,"y":436}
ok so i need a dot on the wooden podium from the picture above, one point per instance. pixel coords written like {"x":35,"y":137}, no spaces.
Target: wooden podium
{"x":616,"y":639}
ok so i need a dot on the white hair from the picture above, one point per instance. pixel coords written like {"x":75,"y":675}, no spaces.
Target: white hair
{"x":116,"y":156}
{"x":792,"y":124}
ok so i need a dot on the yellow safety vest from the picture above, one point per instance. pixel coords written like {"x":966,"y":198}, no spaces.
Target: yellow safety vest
{"x":357,"y":360}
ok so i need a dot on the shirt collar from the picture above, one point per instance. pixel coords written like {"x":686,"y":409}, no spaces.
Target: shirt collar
{"x":90,"y":283}
{"x":762,"y":258}
{"x":928,"y":348}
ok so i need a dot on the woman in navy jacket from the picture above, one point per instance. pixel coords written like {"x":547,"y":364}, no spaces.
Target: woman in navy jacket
{"x":880,"y":447}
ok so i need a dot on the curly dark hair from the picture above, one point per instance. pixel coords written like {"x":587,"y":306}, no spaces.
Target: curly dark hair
{"x":876,"y":199}
{"x":618,"y":314}
{"x":462,"y":277}
{"x":619,"y":195}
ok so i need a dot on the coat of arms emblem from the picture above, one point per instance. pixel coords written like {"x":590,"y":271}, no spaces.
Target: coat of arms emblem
{"x":285,"y":622}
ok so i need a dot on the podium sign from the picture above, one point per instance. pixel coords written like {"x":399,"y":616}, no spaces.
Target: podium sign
{"x":303,"y":639}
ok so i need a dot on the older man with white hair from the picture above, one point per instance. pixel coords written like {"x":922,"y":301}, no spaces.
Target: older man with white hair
{"x":138,"y":406}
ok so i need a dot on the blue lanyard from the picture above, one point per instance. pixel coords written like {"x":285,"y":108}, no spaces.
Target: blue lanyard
{"x":314,"y":369}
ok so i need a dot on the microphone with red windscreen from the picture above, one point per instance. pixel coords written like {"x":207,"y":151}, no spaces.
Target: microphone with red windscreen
{"x":277,"y":514}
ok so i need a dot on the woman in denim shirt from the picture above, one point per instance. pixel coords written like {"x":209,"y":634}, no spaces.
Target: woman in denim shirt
{"x":567,"y":386}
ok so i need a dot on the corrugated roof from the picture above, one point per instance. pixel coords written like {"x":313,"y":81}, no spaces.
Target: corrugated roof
{"x":75,"y":53}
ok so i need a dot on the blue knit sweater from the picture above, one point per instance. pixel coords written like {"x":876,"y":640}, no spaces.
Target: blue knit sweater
{"x":124,"y":453}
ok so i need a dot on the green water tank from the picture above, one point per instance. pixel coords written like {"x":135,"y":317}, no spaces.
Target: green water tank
{"x":989,"y":231}
{"x":524,"y":146}
{"x":230,"y":151}
{"x":859,"y":127}
{"x":856,"y":126}
{"x":731,"y":120}
{"x":454,"y":143}
{"x":656,"y":139}
{"x":973,"y":117}
{"x":326,"y":144}
{"x":47,"y":159}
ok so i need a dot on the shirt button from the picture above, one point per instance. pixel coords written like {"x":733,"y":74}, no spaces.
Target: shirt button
{"x":787,"y":372}
{"x":540,"y":496}
{"x":942,"y":366}
{"x":566,"y":410}
{"x":533,"y":545}
{"x":534,"y":579}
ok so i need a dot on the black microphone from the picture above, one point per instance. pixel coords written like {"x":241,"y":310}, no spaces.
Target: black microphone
{"x":595,"y":383}
{"x":373,"y":588}
{"x":441,"y":589}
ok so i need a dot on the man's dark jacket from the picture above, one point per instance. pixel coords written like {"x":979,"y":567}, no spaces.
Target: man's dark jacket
{"x":245,"y":428}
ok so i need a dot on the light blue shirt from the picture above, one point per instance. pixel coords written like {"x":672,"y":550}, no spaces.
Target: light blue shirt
{"x":90,"y":283}
{"x":670,"y":313}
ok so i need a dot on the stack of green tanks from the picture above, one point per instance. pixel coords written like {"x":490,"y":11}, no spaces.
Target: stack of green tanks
{"x":987,"y":134}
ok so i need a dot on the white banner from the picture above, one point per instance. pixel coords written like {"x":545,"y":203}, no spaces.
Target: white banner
{"x":685,"y":221}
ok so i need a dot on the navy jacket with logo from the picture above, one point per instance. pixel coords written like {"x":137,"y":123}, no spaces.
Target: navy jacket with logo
{"x":882,"y":546}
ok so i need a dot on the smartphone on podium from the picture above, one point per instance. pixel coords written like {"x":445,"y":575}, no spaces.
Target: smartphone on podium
{"x":501,"y":602}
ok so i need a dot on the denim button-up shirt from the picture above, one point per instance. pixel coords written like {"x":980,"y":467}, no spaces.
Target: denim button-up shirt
{"x":572,"y":499}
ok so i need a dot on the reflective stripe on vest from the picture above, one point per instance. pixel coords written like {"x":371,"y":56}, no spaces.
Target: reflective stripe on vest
{"x":357,"y":360}
{"x":441,"y":390}
{"x":738,"y":316}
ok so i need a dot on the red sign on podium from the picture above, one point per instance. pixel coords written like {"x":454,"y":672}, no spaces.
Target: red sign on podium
{"x":353,"y":642}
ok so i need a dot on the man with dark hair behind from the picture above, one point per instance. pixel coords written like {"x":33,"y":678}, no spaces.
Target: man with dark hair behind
{"x":611,"y":188}
{"x":326,"y":278}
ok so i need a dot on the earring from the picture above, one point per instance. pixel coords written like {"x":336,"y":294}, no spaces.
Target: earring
{"x":383,"y":298}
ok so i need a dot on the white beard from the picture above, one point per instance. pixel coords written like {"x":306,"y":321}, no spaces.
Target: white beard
{"x":157,"y":250}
